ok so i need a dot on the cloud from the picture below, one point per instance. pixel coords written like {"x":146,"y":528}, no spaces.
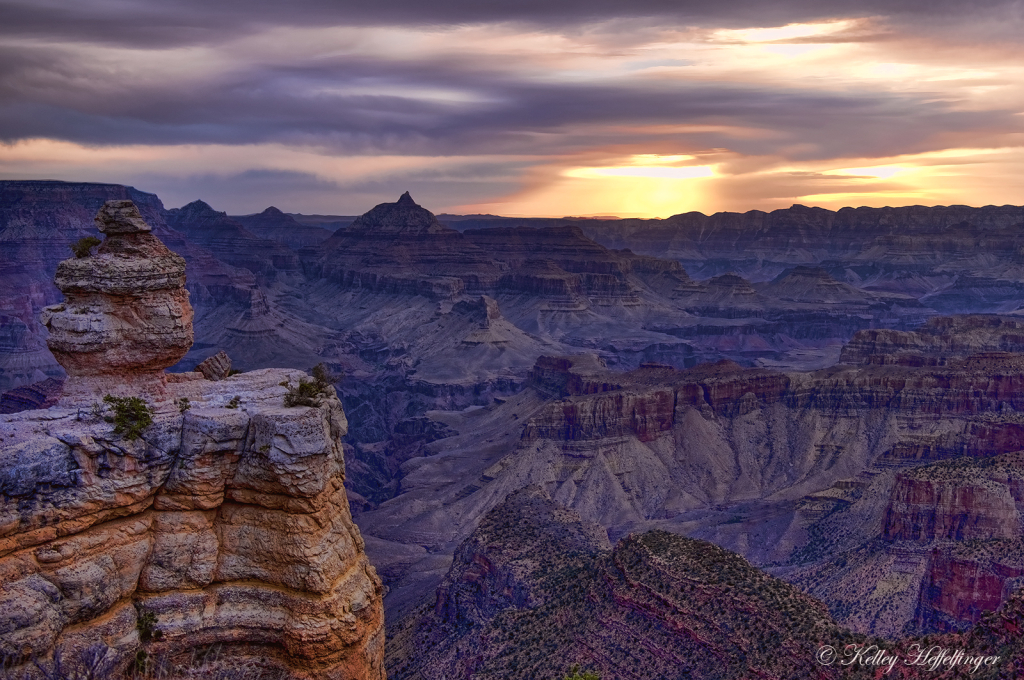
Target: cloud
{"x":471,"y":101}
{"x":147,"y":24}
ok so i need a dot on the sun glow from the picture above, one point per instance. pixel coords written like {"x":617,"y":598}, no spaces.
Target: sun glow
{"x":785,"y":33}
{"x":653,"y":172}
{"x":506,"y":117}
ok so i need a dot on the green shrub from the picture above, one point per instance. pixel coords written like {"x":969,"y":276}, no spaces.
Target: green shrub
{"x":310,"y":392}
{"x":235,"y":401}
{"x":146,"y":625}
{"x":323,"y":378}
{"x":131,"y":416}
{"x":576,"y":674}
{"x":183,"y":404}
{"x":83,"y":246}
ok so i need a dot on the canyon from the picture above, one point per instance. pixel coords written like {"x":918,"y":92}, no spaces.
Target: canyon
{"x":832,"y":396}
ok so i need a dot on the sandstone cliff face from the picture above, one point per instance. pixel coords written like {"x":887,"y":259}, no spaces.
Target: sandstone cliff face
{"x":225,"y":518}
{"x":958,"y":501}
{"x":967,"y":515}
{"x":231,"y":525}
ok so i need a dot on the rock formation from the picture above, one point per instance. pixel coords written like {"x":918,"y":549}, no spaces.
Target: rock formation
{"x":937,"y":341}
{"x":277,"y":226}
{"x":233,"y":243}
{"x":216,"y":367}
{"x":792,"y":469}
{"x":534,"y":591}
{"x":126,"y":315}
{"x":38,"y":219}
{"x":401,"y":248}
{"x":42,"y":394}
{"x":208,"y":527}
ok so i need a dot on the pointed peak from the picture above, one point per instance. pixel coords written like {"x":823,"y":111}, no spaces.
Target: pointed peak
{"x":198,"y":204}
{"x":402,"y":217}
{"x":272,"y":211}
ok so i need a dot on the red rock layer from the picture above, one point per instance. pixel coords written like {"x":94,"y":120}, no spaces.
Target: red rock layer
{"x":534,"y":591}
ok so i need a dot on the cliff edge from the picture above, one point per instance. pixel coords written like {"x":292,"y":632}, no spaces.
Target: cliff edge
{"x":200,"y":524}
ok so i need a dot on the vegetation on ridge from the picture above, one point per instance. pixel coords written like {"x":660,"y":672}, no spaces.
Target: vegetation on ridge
{"x":131,"y":416}
{"x":576,"y":674}
{"x":310,"y":392}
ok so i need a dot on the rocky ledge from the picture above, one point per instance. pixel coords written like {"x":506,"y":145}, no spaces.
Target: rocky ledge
{"x":195,"y":522}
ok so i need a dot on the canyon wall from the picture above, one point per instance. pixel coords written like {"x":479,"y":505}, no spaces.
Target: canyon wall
{"x":805,"y":474}
{"x":181,"y":522}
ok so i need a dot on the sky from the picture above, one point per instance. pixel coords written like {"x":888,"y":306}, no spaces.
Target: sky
{"x":537,"y":107}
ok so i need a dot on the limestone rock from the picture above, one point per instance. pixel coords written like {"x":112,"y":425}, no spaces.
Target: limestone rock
{"x":226,"y":518}
{"x":126,"y":312}
{"x":216,"y":367}
{"x":230,"y":525}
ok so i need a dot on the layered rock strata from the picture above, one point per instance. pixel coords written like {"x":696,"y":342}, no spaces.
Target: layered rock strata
{"x":228,"y":524}
{"x":792,"y":470}
{"x":231,"y":242}
{"x":968,"y":515}
{"x":205,"y":526}
{"x":126,"y":314}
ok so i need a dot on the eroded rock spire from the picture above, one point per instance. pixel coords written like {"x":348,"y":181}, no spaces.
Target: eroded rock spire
{"x":126,"y":314}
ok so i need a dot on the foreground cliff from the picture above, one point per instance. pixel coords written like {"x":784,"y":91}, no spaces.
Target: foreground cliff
{"x":203,"y":525}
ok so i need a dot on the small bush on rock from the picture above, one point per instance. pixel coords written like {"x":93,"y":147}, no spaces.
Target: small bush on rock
{"x":576,"y":674}
{"x":131,"y":416}
{"x":83,"y":246}
{"x":310,"y":392}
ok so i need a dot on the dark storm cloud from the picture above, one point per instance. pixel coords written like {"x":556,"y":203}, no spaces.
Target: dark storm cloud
{"x":171,"y":22}
{"x":51,"y":90}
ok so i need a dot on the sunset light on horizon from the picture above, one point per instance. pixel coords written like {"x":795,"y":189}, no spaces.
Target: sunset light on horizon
{"x":666,"y":111}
